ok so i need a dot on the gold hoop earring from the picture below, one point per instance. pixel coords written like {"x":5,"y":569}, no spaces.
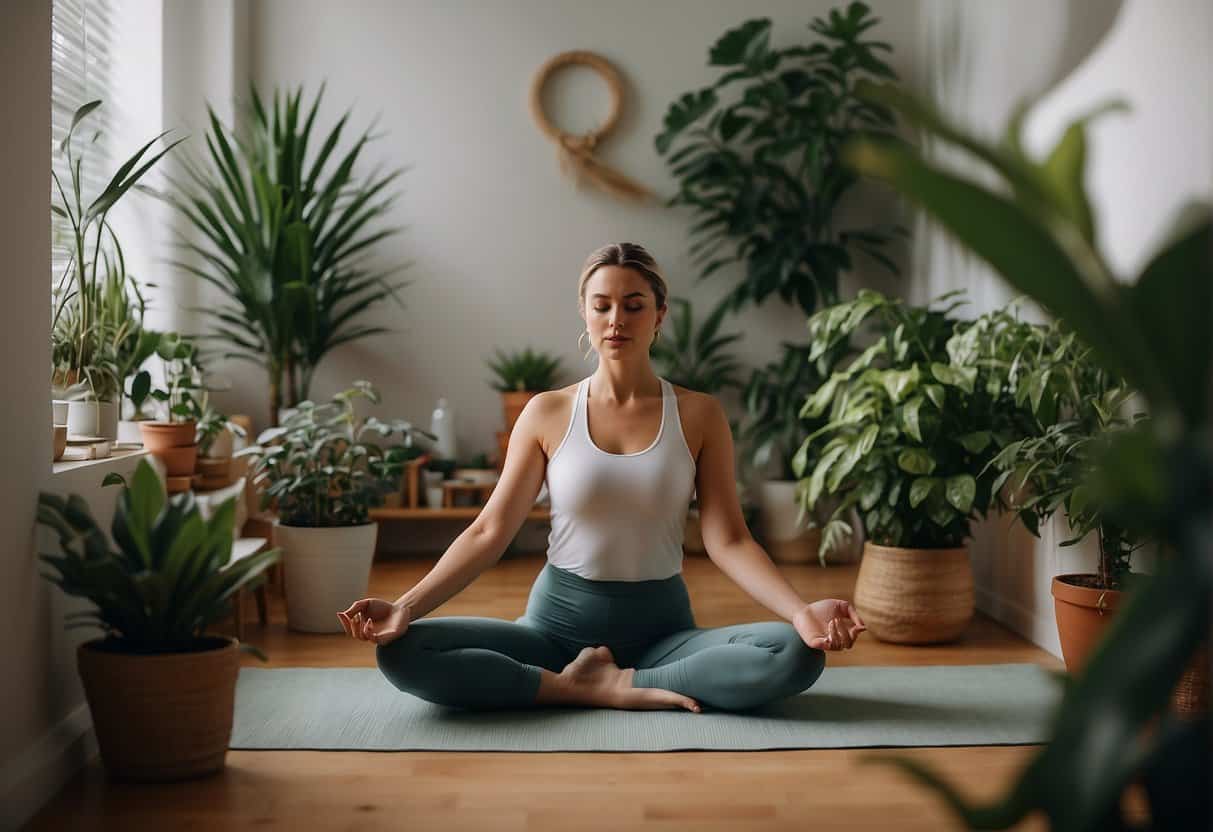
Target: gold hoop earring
{"x":586,"y":356}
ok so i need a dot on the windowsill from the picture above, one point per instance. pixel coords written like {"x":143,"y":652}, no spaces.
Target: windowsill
{"x":117,"y":459}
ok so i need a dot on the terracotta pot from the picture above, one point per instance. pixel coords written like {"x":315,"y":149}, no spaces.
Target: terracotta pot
{"x":160,"y":435}
{"x":162,"y":716}
{"x":512,"y":404}
{"x":915,"y":596}
{"x":1083,"y":613}
{"x":214,"y":467}
{"x":59,"y":440}
{"x":179,"y":461}
{"x":176,"y":485}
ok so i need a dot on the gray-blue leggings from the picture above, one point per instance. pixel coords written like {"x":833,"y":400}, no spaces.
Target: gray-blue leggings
{"x":490,"y":663}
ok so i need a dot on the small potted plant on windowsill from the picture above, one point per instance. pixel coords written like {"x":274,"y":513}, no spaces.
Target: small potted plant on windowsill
{"x":324,"y":474}
{"x":160,"y":689}
{"x":173,"y":440}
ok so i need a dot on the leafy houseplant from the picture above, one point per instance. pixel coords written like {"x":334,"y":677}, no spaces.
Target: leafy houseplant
{"x":173,"y":440}
{"x":764,"y":172}
{"x":88,"y":341}
{"x":1115,"y":725}
{"x":284,"y":235}
{"x":696,"y":359}
{"x":520,"y":375}
{"x":911,"y":423}
{"x":324,"y":472}
{"x":154,"y":678}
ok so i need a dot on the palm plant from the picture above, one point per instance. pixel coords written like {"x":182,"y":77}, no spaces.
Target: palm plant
{"x":694,"y":359}
{"x":524,"y":371}
{"x":1113,"y":727}
{"x":286,"y":238}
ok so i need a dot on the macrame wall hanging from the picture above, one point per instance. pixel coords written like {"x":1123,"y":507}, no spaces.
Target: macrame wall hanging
{"x":576,"y":153}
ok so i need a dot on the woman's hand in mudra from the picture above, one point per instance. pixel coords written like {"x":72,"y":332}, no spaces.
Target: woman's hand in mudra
{"x":829,"y":624}
{"x":375,"y":620}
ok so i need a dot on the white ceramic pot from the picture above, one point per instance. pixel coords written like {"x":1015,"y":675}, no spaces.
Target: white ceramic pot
{"x":92,"y":418}
{"x":59,"y":411}
{"x":433,"y":496}
{"x":325,"y":570}
{"x":129,"y":433}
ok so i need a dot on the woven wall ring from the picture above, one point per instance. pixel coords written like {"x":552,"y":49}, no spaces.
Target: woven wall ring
{"x":576,"y":152}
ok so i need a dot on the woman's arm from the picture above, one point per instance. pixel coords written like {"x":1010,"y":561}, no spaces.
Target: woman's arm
{"x":483,"y":542}
{"x":725,"y":536}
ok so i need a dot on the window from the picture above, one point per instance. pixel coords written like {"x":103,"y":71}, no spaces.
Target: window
{"x":81,"y":71}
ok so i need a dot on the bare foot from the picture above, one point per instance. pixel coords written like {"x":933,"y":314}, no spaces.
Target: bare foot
{"x":593,"y":678}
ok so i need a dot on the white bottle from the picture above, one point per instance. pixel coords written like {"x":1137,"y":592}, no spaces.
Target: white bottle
{"x":442,"y":425}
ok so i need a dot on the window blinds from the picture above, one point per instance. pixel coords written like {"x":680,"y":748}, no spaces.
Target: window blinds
{"x":82,"y":48}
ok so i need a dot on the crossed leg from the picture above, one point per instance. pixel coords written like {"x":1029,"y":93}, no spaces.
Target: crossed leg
{"x":732,"y":667}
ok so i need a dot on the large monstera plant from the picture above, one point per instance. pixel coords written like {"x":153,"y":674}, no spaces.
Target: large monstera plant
{"x":1113,"y":726}
{"x":761,"y":165}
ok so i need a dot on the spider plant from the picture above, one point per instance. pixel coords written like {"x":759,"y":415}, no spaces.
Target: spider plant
{"x":285,"y":236}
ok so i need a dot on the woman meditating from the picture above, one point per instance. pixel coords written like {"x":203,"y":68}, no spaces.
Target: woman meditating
{"x":608,"y":622}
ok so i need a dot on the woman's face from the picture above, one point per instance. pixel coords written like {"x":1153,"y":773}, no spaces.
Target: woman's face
{"x":619,"y":301}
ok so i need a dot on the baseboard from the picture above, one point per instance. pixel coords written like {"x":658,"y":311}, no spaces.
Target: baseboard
{"x":1036,"y":627}
{"x":35,"y":775}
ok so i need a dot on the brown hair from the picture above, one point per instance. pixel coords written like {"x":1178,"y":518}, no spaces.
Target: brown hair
{"x":630,"y":256}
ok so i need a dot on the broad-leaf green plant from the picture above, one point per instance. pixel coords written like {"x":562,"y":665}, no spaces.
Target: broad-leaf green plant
{"x":760,"y":163}
{"x":322,"y":467}
{"x":1113,"y":728}
{"x":166,"y":575}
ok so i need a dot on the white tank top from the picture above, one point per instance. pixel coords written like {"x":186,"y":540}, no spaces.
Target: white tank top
{"x":620,"y":517}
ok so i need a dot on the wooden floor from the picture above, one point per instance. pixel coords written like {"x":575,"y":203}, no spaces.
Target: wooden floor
{"x":817,"y":789}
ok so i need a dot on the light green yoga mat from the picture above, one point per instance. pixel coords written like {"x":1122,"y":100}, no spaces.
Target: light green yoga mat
{"x":848,"y":707}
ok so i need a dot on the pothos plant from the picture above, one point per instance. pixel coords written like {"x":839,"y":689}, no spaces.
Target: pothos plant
{"x":913,"y":419}
{"x":761,"y":167}
{"x":323,"y":468}
{"x":1076,"y":403}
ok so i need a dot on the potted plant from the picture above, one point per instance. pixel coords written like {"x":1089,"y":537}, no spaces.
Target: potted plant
{"x":172,"y":440}
{"x":160,"y":689}
{"x":762,"y":168}
{"x":1117,"y":725}
{"x":1075,"y":403}
{"x":215,"y":435}
{"x":520,"y":376}
{"x":323,"y":474}
{"x":775,"y":427}
{"x":87,"y":344}
{"x":912,"y":421}
{"x":284,"y":236}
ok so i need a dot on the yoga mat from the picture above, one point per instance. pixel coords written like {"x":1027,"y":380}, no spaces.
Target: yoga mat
{"x":330,"y":709}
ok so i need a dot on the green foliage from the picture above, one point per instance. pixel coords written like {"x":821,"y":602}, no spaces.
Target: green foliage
{"x":1076,"y":404}
{"x":285,"y":237}
{"x":763,"y":171}
{"x":320,"y":467}
{"x":95,"y":334}
{"x":168,"y":573}
{"x":524,"y":370}
{"x":911,"y":420}
{"x":1113,"y":727}
{"x":696,"y":359}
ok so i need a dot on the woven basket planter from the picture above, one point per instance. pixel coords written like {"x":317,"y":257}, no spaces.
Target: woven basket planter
{"x":161,"y":716}
{"x":915,"y":596}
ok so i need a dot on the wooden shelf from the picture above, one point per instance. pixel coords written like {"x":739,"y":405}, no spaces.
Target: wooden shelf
{"x":453,"y":513}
